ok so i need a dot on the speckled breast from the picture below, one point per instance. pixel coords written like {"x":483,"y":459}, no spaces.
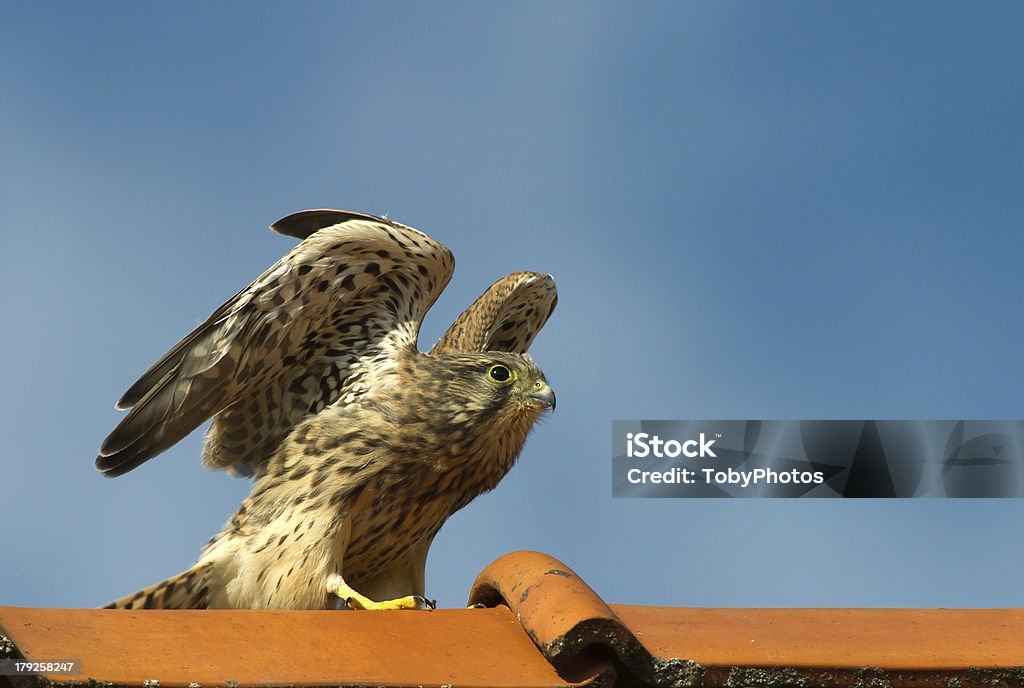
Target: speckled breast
{"x":408,"y":507}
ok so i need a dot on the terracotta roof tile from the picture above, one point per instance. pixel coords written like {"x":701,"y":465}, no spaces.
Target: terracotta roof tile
{"x":481,"y":647}
{"x":756,"y":647}
{"x":547,"y":627}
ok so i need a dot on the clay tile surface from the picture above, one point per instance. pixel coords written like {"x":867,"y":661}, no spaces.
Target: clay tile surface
{"x":461,"y":647}
{"x":544,"y":627}
{"x":666,"y":646}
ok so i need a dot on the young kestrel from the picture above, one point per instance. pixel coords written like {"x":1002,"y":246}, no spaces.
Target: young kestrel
{"x":360,"y":445}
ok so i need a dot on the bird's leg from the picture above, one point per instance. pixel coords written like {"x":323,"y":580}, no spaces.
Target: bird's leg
{"x":336,"y":585}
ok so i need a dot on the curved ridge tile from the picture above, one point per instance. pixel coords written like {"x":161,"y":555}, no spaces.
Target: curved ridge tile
{"x":690,"y":647}
{"x":568,"y":621}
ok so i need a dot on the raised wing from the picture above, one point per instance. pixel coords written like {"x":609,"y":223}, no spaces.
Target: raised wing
{"x":311,"y":329}
{"x":506,"y":317}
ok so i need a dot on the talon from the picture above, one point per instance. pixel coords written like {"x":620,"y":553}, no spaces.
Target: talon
{"x":421,"y":603}
{"x":337,"y":586}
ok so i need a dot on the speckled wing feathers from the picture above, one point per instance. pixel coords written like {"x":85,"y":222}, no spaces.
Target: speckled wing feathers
{"x":310,"y":331}
{"x":506,"y":317}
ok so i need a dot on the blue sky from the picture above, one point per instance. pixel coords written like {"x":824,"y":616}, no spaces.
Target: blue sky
{"x":753,"y":210}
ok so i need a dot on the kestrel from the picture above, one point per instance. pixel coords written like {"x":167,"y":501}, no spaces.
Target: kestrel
{"x":360,"y":446}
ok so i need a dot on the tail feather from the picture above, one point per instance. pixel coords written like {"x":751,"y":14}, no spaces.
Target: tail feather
{"x":187,"y":590}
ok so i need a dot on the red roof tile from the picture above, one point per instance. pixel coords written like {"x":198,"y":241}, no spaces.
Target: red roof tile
{"x":547,"y":628}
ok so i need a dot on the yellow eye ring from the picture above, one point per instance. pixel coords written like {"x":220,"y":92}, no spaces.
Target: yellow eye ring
{"x":500,"y":374}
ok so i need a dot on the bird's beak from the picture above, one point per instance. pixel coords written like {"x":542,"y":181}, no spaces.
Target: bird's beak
{"x":544,"y":395}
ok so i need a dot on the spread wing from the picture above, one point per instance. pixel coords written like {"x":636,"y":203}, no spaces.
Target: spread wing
{"x":506,"y":317}
{"x":311,"y":329}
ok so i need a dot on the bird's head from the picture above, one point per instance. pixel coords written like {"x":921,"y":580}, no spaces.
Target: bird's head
{"x":489,"y":391}
{"x":516,"y":383}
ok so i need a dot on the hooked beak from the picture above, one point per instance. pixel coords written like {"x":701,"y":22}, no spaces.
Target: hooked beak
{"x":544,"y":395}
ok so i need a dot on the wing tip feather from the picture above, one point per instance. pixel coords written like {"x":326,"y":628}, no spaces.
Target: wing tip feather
{"x":305,"y":223}
{"x":112,"y":466}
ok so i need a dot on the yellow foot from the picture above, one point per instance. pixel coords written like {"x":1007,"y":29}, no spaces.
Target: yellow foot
{"x":336,"y":585}
{"x":407,"y":602}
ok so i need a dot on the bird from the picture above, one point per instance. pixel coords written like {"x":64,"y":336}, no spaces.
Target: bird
{"x":359,"y":445}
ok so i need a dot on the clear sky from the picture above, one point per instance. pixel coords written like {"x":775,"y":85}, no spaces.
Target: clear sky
{"x":753,"y":210}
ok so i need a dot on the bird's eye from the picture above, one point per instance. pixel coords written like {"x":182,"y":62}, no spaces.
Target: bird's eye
{"x":500,"y":374}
